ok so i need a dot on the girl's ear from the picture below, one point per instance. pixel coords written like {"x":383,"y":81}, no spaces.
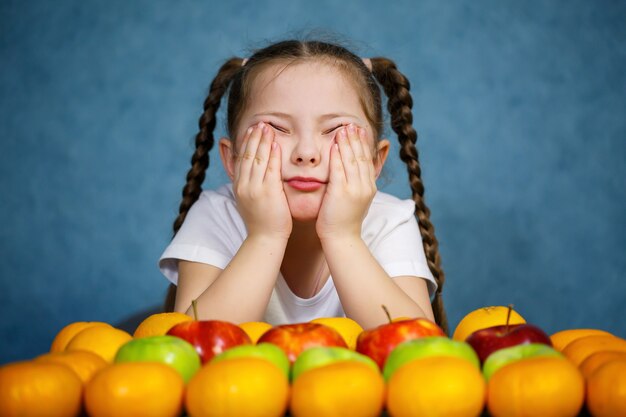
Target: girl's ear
{"x":227,"y":153}
{"x":382,"y":151}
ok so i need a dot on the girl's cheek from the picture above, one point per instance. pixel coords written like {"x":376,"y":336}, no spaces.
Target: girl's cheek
{"x":326,"y":150}
{"x":285,"y":152}
{"x":325,"y":156}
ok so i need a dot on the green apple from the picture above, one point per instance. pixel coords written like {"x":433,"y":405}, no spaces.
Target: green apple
{"x":426,"y":347}
{"x":323,"y":355}
{"x":504,"y":356}
{"x":266,"y":351}
{"x":170,"y":350}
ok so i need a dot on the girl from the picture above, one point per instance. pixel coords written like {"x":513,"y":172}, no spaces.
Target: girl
{"x":301,"y":232}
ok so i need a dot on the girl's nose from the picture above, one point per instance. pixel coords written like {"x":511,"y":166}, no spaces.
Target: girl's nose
{"x":306,"y":152}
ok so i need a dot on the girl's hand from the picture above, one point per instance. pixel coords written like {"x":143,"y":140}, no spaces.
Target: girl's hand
{"x":258,"y":185}
{"x":351,"y":185}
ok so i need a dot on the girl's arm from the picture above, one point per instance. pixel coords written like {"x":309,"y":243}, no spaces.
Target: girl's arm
{"x":362,"y":284}
{"x":241,"y":291}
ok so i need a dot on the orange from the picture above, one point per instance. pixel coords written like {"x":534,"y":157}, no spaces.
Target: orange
{"x":540,"y":386}
{"x":101,"y":340}
{"x":606,"y":390}
{"x":578,"y":350}
{"x":158,"y":324}
{"x":135,"y":389}
{"x":485,"y":317}
{"x":238,"y":387}
{"x":595,"y":360}
{"x":564,"y":337}
{"x":39,"y":389}
{"x":345,"y":388}
{"x":255,"y":329}
{"x":436,"y":386}
{"x":83,"y":362}
{"x":347,"y":328}
{"x":68,"y":332}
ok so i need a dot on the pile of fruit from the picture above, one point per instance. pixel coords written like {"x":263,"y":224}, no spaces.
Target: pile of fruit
{"x":494,"y":364}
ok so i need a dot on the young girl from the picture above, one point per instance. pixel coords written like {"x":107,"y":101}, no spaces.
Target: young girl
{"x":302,"y":232}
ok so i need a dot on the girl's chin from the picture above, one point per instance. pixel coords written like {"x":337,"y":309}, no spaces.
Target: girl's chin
{"x":304,"y":216}
{"x":304,"y":209}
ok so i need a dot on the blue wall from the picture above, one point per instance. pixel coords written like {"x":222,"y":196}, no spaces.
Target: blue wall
{"x":520,"y":108}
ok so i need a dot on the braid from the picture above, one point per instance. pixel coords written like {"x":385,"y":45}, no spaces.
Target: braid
{"x":204,"y":139}
{"x":200,"y":157}
{"x":397,"y":87}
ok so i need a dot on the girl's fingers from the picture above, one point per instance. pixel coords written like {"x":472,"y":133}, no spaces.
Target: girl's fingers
{"x":347,"y":156}
{"x":274,"y":163}
{"x":357,"y":140}
{"x":248,"y":152}
{"x":242,"y":147}
{"x":368,"y":156}
{"x":262,"y":156}
{"x":337,"y":174}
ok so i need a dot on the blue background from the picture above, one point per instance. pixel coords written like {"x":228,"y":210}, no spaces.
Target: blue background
{"x":520,"y":109}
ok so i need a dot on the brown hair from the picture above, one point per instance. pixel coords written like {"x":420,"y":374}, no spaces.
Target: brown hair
{"x":240,"y":77}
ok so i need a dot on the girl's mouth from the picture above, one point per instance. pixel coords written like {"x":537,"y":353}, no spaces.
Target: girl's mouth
{"x":305,"y":184}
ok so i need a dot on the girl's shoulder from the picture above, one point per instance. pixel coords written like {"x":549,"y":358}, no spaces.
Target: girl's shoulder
{"x":388,"y":212}
{"x":215,"y":203}
{"x":223,"y":195}
{"x":388,"y":202}
{"x":390,"y":219}
{"x":215,"y":210}
{"x":223,"y":192}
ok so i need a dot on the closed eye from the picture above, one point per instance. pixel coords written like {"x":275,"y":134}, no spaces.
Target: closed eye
{"x":280,"y":129}
{"x":329,"y":131}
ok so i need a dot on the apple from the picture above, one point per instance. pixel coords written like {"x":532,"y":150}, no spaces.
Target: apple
{"x":378,"y":343}
{"x":210,"y":337}
{"x":170,"y":350}
{"x":486,"y":317}
{"x":266,"y":351}
{"x":507,"y":355}
{"x":486,"y":341}
{"x":294,"y":339}
{"x":426,"y":347}
{"x":324,"y":355}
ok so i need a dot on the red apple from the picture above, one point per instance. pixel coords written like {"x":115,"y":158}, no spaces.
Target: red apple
{"x":488,"y":340}
{"x":378,"y":343}
{"x":210,"y":337}
{"x":296,"y":338}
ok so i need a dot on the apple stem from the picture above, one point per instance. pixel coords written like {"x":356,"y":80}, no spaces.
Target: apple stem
{"x":194,"y":305}
{"x":508,"y":317}
{"x":387,"y":313}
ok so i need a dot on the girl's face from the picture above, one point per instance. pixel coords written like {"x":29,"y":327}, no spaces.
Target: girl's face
{"x":305,"y":104}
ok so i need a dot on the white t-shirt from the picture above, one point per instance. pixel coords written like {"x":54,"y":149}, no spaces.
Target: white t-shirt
{"x":213,"y":231}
